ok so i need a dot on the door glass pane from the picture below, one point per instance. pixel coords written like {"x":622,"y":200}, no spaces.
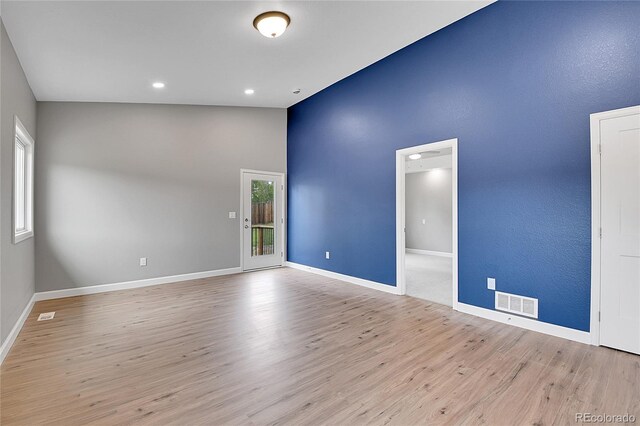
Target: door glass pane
{"x":263,"y":237}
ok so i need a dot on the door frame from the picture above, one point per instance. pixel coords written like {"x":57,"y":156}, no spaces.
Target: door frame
{"x":401,"y":155}
{"x":281,"y":205}
{"x":596,"y":223}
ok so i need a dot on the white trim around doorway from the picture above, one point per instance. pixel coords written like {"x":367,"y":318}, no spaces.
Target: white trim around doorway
{"x":596,"y":195}
{"x":281,"y":205}
{"x":401,"y":155}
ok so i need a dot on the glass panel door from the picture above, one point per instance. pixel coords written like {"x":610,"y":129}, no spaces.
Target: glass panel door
{"x":262,"y":220}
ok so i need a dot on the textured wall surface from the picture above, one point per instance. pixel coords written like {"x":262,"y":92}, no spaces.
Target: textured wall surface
{"x":16,"y":260}
{"x":515,"y":83}
{"x":122,"y":181}
{"x":428,"y":198}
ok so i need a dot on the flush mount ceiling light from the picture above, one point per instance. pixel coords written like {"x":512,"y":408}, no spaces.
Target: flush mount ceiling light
{"x":158,"y":85}
{"x":415,"y":156}
{"x":271,"y":24}
{"x":249,"y":92}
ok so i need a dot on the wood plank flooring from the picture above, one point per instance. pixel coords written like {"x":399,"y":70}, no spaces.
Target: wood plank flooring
{"x":288,"y":347}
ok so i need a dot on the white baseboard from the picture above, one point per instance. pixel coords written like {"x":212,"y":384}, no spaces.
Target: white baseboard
{"x":13,"y":334}
{"x":102,"y":288}
{"x":429,"y":252}
{"x":529,"y":324}
{"x":526,"y":323}
{"x":348,"y":278}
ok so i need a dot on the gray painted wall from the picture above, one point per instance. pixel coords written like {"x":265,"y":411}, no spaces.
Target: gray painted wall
{"x":16,"y":260}
{"x":428,"y":197}
{"x":117,"y":182}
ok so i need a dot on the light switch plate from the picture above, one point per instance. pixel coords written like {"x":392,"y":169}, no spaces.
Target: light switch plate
{"x":327,"y":255}
{"x":232,"y":215}
{"x":143,"y":261}
{"x":491,"y":283}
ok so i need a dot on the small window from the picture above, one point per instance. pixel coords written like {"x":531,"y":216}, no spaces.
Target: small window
{"x":22,"y":184}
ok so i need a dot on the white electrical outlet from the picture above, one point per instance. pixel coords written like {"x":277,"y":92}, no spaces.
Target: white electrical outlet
{"x":327,"y":255}
{"x":491,"y":283}
{"x":143,"y":261}
{"x":232,"y":215}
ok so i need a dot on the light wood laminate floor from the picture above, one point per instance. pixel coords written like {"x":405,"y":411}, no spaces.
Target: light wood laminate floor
{"x":289,"y":347}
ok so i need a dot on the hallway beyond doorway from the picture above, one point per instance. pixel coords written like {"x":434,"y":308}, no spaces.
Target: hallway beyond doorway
{"x":429,"y":277}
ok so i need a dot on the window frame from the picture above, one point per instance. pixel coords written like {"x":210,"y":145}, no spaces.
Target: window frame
{"x":22,"y":137}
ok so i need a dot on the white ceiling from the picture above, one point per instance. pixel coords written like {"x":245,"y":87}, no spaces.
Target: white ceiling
{"x":209,"y":52}
{"x":429,"y":163}
{"x":431,"y":154}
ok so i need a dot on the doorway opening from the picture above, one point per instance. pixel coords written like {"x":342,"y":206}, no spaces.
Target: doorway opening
{"x":427,"y":222}
{"x":262,"y":220}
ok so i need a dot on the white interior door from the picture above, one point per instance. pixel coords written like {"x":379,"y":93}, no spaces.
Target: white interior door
{"x":262,"y":220}
{"x":620,"y":242}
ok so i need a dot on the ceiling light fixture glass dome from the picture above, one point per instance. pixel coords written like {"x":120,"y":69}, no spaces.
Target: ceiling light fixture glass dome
{"x":272,"y":24}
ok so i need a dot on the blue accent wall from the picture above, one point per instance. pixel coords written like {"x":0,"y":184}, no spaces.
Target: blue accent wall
{"x":515,"y":83}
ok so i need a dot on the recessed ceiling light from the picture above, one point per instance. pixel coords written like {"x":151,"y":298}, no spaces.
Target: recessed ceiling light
{"x":158,"y":85}
{"x":415,"y":156}
{"x":249,"y":92}
{"x":271,"y":24}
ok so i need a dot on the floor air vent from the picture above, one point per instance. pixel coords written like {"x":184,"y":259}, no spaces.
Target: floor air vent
{"x":46,"y":316}
{"x":520,"y":305}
